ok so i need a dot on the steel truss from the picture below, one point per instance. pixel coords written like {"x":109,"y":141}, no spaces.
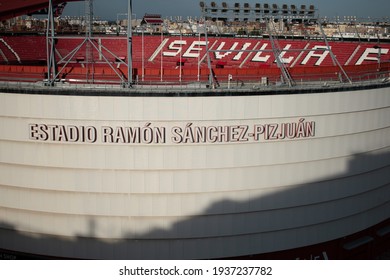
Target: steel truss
{"x":91,"y":44}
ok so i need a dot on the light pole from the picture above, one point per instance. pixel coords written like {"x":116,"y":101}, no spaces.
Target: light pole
{"x":143,"y":54}
{"x":198,"y":51}
{"x":129,"y":45}
{"x":50,"y":47}
{"x":161,"y":57}
{"x":379,"y":48}
{"x":181,"y":49}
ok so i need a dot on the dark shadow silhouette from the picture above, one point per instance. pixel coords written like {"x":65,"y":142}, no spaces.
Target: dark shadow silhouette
{"x":308,"y":223}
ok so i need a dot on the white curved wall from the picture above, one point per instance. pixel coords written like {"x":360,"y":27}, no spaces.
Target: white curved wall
{"x":198,"y":200}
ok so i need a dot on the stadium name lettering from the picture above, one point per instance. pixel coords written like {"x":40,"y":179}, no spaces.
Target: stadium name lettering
{"x":186,"y":134}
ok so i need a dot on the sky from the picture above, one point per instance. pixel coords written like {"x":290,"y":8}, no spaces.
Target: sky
{"x":109,"y":9}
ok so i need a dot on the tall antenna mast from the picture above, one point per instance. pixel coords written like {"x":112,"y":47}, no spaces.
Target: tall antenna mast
{"x":88,"y":35}
{"x":129,"y":45}
{"x":50,"y":47}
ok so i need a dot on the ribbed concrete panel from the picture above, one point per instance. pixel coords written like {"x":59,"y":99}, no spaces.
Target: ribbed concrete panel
{"x":144,"y":221}
{"x":188,"y":108}
{"x":172,"y":181}
{"x":189,"y":248}
{"x":190,"y":156}
{"x":127,"y":203}
{"x":192,"y":200}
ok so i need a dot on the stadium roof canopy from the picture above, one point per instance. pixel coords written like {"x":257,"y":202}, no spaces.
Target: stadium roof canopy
{"x":14,"y":8}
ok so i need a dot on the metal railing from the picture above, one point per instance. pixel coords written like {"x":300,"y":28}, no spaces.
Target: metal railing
{"x":238,"y":84}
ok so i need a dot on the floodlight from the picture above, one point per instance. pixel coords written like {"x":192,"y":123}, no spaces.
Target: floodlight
{"x":285,"y":9}
{"x":303,"y":10}
{"x":214,"y":7}
{"x":311,"y":10}
{"x":266,"y":9}
{"x":293,"y":9}
{"x":246,"y":8}
{"x":203,"y":6}
{"x":225,"y":7}
{"x":237,"y":8}
{"x":275,"y":9}
{"x":257,"y":8}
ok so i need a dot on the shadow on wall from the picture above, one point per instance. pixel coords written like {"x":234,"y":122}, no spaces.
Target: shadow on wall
{"x":346,"y":211}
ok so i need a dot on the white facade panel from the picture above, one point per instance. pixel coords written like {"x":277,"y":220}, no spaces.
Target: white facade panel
{"x":169,"y":198}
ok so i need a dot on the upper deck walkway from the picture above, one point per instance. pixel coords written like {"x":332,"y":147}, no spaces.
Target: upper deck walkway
{"x":174,"y":89}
